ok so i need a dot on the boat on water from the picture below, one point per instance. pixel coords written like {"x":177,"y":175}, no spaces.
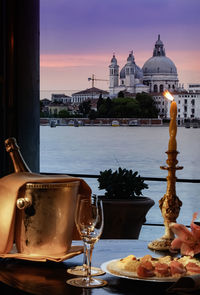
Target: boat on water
{"x":115,"y":123}
{"x":71,"y":123}
{"x":195,"y":125}
{"x":187,"y":125}
{"x":133,"y":123}
{"x":52,"y":123}
{"x":76,"y":123}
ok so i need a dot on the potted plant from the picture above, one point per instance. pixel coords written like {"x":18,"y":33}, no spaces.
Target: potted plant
{"x":125,"y":207}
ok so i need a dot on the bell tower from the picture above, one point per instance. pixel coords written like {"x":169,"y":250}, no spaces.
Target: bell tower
{"x":113,"y":74}
{"x":130,"y":73}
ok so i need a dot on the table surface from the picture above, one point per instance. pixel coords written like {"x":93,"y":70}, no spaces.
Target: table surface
{"x":43,"y":278}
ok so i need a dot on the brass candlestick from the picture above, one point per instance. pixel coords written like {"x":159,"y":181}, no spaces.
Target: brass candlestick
{"x":169,"y":204}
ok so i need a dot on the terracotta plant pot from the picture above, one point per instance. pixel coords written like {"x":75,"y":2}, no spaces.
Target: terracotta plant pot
{"x":123,"y":219}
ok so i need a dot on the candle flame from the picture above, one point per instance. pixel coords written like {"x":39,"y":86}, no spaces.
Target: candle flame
{"x":168,"y":95}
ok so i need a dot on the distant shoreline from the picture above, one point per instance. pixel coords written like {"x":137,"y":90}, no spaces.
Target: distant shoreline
{"x":115,"y":122}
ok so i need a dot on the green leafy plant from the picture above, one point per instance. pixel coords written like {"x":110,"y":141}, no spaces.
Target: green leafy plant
{"x":121,"y":184}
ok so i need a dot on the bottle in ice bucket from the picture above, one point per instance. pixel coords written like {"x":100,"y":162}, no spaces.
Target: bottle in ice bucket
{"x":14,"y":151}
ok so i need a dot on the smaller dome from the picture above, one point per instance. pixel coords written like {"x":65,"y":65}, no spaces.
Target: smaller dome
{"x":138,"y":73}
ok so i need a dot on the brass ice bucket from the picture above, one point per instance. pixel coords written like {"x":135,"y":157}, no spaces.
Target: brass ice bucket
{"x":44,"y":223}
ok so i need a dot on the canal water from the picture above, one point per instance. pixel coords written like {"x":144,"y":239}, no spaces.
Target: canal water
{"x":89,"y":150}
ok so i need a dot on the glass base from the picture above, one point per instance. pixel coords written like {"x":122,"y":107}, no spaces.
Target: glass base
{"x":80,"y":271}
{"x":85,"y":283}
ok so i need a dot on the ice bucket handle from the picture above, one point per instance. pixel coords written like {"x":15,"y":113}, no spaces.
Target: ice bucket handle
{"x":23,"y":203}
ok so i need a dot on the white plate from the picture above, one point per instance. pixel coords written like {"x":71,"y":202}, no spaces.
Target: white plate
{"x":133,"y":276}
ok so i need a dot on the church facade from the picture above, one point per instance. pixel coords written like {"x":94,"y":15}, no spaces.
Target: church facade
{"x":157,"y":74}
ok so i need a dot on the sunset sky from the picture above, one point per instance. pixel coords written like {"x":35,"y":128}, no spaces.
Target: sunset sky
{"x":78,"y":38}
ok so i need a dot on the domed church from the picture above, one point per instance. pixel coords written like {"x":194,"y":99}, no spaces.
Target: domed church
{"x":157,"y":74}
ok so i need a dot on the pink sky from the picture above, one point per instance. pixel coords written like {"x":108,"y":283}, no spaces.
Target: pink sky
{"x":72,"y":71}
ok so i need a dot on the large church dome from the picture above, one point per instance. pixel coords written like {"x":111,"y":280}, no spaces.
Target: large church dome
{"x":159,"y":64}
{"x":159,"y":71}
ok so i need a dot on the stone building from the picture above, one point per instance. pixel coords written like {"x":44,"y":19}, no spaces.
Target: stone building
{"x":91,"y":93}
{"x":157,"y":74}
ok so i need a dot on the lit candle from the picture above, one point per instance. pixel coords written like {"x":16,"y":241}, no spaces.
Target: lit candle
{"x":172,"y":125}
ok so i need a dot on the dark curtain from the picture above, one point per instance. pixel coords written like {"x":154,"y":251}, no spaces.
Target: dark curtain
{"x":19,"y":80}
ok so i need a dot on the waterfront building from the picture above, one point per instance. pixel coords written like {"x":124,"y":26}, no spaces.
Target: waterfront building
{"x":60,"y":98}
{"x":45,"y":101}
{"x":194,"y":88}
{"x":188,"y":106}
{"x":157,"y":74}
{"x":59,"y":102}
{"x":55,"y":108}
{"x":161,"y":104}
{"x":91,"y":93}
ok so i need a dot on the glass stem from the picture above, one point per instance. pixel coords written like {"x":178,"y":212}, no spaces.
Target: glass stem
{"x":89,"y":250}
{"x":84,"y":257}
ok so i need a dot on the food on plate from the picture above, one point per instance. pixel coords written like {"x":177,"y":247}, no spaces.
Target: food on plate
{"x":177,"y":268}
{"x":150,"y":267}
{"x":187,"y":241}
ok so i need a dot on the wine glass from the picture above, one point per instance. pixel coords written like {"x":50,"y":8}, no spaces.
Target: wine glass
{"x":89,"y":222}
{"x":81,"y":270}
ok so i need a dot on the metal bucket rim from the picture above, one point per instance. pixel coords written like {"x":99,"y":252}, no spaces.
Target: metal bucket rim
{"x":48,"y":185}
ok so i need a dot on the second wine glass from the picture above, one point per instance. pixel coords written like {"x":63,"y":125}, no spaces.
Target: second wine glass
{"x":81,"y":270}
{"x":89,"y":222}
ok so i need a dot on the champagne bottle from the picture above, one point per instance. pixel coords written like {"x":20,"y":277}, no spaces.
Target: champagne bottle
{"x":13,"y":149}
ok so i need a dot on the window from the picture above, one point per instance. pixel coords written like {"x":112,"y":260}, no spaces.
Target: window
{"x":127,"y":71}
{"x":155,"y":88}
{"x":107,"y":155}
